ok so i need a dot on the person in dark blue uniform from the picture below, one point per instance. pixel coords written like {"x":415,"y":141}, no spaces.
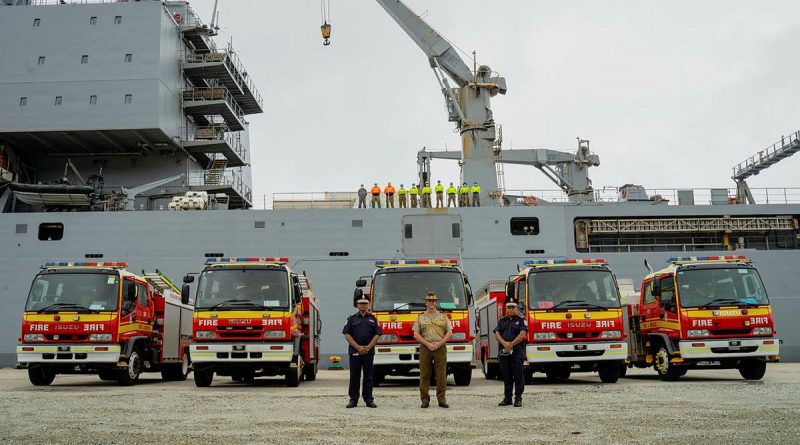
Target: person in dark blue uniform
{"x":361,"y":331}
{"x":510,"y":332}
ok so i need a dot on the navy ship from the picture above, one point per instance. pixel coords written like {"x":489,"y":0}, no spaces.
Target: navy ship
{"x":124,"y":137}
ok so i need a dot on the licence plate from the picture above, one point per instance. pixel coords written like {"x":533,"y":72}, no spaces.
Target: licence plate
{"x":735,"y":343}
{"x":238,"y":347}
{"x":580,"y":347}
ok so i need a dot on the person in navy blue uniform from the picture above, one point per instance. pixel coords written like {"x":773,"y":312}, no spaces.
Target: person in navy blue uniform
{"x":361,"y":331}
{"x":510,"y":332}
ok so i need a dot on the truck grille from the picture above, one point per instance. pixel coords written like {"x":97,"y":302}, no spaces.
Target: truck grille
{"x":735,"y":350}
{"x":240,"y":334}
{"x":563,"y":335}
{"x":730,"y":331}
{"x":67,"y":337}
{"x":567,"y":354}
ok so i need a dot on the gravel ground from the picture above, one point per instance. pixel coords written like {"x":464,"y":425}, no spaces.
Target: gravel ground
{"x":703,"y":407}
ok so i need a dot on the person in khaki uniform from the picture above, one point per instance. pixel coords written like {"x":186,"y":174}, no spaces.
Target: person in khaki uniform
{"x":432,"y":330}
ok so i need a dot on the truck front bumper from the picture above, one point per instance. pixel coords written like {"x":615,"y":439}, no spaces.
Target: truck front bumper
{"x":241,"y":352}
{"x":408,"y":354}
{"x":729,"y":348}
{"x":68,"y":353}
{"x":577,"y":352}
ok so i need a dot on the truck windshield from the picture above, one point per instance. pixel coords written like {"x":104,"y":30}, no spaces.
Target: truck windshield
{"x":74,"y":292}
{"x":572,"y":289}
{"x":735,"y":286}
{"x":245,"y":288}
{"x":406,"y":290}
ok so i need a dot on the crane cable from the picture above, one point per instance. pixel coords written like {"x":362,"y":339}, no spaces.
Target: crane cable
{"x":325,"y":11}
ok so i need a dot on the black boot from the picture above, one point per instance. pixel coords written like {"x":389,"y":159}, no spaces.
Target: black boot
{"x":505,"y":402}
{"x":517,"y":402}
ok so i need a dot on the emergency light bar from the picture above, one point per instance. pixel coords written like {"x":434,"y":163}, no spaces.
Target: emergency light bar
{"x":713,"y":258}
{"x":114,"y":264}
{"x":382,"y":263}
{"x":565,"y":261}
{"x":269,"y":259}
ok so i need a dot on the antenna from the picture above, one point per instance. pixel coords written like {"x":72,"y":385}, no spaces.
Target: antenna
{"x":214,"y":16}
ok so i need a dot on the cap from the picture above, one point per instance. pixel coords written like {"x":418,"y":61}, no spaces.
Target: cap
{"x":431,"y":296}
{"x":401,"y":185}
{"x":511,"y":303}
{"x":362,"y":300}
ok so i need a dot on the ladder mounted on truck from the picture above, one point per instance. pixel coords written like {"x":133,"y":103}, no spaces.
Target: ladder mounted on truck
{"x":160,"y":281}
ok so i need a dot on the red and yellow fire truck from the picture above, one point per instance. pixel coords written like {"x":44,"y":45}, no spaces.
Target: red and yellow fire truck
{"x":397,"y":296}
{"x":99,"y":318}
{"x":575,"y":321}
{"x":254,"y":317}
{"x":703,"y":312}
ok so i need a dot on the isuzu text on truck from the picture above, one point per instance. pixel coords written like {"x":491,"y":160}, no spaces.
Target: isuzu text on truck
{"x":703,"y":312}
{"x":397,"y":292}
{"x":254,"y":317}
{"x":99,"y":318}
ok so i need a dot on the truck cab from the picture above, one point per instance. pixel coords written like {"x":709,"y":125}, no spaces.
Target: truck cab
{"x":704,"y":312}
{"x":397,"y":297}
{"x":99,"y":318}
{"x":254,"y":317}
{"x":575,"y":321}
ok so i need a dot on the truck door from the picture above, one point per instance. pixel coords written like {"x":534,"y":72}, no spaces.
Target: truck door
{"x":143,"y":313}
{"x":648,"y":308}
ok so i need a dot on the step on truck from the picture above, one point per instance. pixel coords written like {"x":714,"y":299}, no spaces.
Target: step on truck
{"x":702,"y":313}
{"x":397,"y":292}
{"x":575,"y":321}
{"x":254,"y":317}
{"x":99,"y":318}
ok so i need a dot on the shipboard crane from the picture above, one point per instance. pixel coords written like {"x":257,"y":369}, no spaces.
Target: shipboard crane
{"x":762,"y":160}
{"x":468,"y":103}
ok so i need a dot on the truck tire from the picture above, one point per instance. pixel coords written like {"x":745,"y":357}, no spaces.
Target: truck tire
{"x":41,"y":375}
{"x":293,"y":374}
{"x":752,"y":369}
{"x":558,"y":374}
{"x":623,"y":371}
{"x":203,"y":377}
{"x":378,"y":378}
{"x":130,"y":374}
{"x":609,"y":373}
{"x":664,"y":368}
{"x":107,"y":374}
{"x":462,"y":375}
{"x":529,"y":376}
{"x":490,"y":370}
{"x":176,"y":372}
{"x":310,"y":372}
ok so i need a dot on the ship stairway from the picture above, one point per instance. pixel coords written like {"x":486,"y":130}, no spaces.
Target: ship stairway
{"x":782,"y":149}
{"x":160,"y":281}
{"x":497,"y":148}
{"x":216,"y":171}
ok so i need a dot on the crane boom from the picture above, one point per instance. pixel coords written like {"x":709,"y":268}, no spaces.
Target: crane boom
{"x":431,"y":43}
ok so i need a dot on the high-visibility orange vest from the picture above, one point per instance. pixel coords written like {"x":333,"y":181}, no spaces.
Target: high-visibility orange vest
{"x":376,"y":191}
{"x":389,"y":190}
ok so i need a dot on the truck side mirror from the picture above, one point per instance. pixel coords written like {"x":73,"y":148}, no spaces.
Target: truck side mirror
{"x":131,"y":296}
{"x":185,"y":293}
{"x":357,"y":295}
{"x":361,"y":282}
{"x":188,"y":279}
{"x":656,"y":290}
{"x":509,"y":290}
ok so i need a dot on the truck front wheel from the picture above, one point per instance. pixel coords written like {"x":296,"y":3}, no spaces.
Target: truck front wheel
{"x":203,"y":377}
{"x":664,"y":368}
{"x":310,"y":372}
{"x":293,"y":374}
{"x":176,"y":372}
{"x":752,"y":369}
{"x":609,"y":373}
{"x":130,"y":374}
{"x":41,"y":375}
{"x":462,"y":375}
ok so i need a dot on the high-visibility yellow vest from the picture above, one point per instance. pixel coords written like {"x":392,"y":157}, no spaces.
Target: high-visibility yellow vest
{"x":451,"y":190}
{"x":414,"y":191}
{"x":464,"y":190}
{"x":426,"y":190}
{"x":402,"y":191}
{"x":476,"y":188}
{"x":439,"y":188}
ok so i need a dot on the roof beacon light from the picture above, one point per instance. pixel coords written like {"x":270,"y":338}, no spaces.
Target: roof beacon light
{"x":269,"y":259}
{"x":708,"y":259}
{"x":387,"y":263}
{"x":562,"y":261}
{"x":112,"y":264}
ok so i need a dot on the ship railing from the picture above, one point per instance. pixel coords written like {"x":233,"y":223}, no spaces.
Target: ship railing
{"x":767,"y":156}
{"x":662,"y":247}
{"x":219,"y":132}
{"x":214,"y":93}
{"x":229,"y":178}
{"x":63,"y":2}
{"x":670,"y":196}
{"x":313,"y":200}
{"x":234,"y":64}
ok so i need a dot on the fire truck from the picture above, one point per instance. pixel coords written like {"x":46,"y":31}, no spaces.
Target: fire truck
{"x":703,"y":312}
{"x":254,"y":317}
{"x":99,"y":318}
{"x":397,"y":290}
{"x":575,"y":321}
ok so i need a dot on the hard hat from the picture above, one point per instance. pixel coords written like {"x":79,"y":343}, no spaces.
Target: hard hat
{"x":431,"y":296}
{"x":376,"y":183}
{"x":465,"y":183}
{"x":427,"y":183}
{"x":476,"y":183}
{"x":451,"y":182}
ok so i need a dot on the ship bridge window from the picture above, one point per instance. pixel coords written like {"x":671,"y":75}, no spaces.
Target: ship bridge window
{"x":128,"y":98}
{"x":93,"y":100}
{"x":524,"y":226}
{"x":92,"y":20}
{"x":128,"y":58}
{"x":84,"y":59}
{"x":23,"y":101}
{"x":58,"y":101}
{"x":40,"y":61}
{"x":118,"y":20}
{"x":37,"y":22}
{"x":409,"y":231}
{"x":51,"y":231}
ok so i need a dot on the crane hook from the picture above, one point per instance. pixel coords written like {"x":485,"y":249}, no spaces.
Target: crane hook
{"x":325,"y":10}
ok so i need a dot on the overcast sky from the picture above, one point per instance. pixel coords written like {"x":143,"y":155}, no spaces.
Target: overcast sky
{"x":670,"y":94}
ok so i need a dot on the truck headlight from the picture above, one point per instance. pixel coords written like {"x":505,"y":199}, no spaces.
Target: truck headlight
{"x":205,"y":334}
{"x":100,"y":337}
{"x":611,"y":334}
{"x":762,"y":331}
{"x":459,"y":336}
{"x":34,"y":337}
{"x":697,"y":333}
{"x":387,"y":338}
{"x":544,"y":335}
{"x":274,"y":334}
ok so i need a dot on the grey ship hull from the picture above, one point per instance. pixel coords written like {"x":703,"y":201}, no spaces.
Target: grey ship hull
{"x":177,"y":242}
